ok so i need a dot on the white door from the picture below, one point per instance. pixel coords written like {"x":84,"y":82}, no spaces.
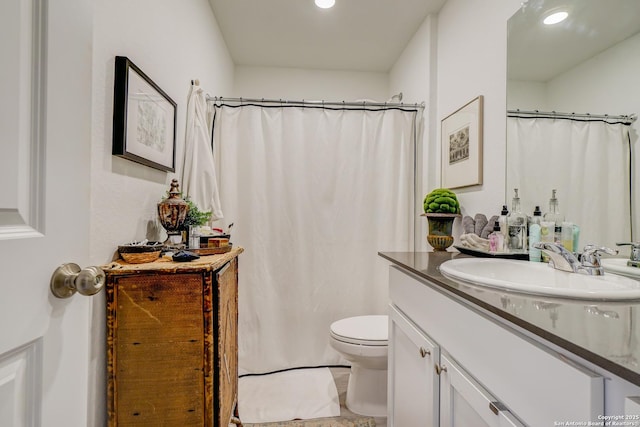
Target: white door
{"x":45,"y":138}
{"x":413,"y":384}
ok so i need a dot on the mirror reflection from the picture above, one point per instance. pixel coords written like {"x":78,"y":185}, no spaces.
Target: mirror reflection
{"x":572,"y":97}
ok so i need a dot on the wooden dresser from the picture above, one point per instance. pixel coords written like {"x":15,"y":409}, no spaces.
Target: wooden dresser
{"x":172,"y":342}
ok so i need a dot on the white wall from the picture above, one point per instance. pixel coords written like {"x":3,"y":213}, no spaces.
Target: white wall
{"x":452,"y":59}
{"x":472,"y":61}
{"x":172,"y":42}
{"x":307,"y":84}
{"x":415,"y":75}
{"x":527,"y":96}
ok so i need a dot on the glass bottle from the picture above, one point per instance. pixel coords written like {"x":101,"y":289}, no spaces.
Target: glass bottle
{"x":517,"y":226}
{"x":496,"y":239}
{"x":554,"y":215}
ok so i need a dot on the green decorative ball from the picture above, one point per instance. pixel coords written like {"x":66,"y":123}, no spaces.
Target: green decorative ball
{"x":441,"y":200}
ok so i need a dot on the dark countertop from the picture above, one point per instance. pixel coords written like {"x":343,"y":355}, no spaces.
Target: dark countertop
{"x":603,"y":333}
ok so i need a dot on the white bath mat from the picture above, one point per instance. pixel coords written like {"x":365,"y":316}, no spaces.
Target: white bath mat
{"x":288,"y":395}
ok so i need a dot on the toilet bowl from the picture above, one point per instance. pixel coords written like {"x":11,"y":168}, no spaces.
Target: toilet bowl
{"x":363,"y":340}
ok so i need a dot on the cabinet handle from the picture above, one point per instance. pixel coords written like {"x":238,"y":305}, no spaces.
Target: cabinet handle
{"x":497,"y":407}
{"x":424,"y":352}
{"x":440,"y":369}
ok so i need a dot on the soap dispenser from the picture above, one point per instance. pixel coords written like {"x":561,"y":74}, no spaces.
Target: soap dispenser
{"x":554,"y":215}
{"x":517,"y":226}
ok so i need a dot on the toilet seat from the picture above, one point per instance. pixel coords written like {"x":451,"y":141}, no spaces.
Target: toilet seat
{"x":362,"y":330}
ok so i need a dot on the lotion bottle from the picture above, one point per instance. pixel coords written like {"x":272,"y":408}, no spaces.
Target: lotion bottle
{"x":535,"y":255}
{"x":496,"y":239}
{"x":567,"y":236}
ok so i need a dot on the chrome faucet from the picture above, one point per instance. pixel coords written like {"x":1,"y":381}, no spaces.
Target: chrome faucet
{"x":559,"y":257}
{"x":591,"y":258}
{"x":634,"y":256}
{"x":562,"y":259}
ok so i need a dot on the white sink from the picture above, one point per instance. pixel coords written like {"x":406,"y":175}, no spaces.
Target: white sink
{"x":619,"y":266}
{"x":539,"y":279}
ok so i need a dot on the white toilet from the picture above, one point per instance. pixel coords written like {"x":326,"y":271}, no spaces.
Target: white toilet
{"x":363,"y":340}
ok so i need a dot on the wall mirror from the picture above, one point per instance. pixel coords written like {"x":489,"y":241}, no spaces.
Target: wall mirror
{"x":572,"y":93}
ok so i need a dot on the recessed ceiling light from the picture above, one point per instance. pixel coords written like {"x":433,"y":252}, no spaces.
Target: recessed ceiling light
{"x":325,"y":4}
{"x":556,"y":17}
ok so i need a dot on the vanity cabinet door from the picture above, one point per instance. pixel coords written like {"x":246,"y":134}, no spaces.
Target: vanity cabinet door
{"x":412,"y":382}
{"x":464,"y":402}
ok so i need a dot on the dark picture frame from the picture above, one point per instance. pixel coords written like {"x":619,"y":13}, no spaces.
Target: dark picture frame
{"x":144,"y":118}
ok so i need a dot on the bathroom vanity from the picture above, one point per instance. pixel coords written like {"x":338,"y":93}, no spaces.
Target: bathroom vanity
{"x":461,"y":353}
{"x":172,"y":341}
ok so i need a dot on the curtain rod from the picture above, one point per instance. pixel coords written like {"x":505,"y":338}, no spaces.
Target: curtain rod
{"x":625,"y":119}
{"x":289,"y":103}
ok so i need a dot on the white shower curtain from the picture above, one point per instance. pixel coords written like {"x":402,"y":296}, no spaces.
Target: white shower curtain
{"x":314,"y":194}
{"x":587,"y":162}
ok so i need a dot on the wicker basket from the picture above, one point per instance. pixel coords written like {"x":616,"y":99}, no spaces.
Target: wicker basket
{"x":141,"y":257}
{"x":138,"y":254}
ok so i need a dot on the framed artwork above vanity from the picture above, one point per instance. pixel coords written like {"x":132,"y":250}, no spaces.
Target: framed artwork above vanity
{"x":461,"y":144}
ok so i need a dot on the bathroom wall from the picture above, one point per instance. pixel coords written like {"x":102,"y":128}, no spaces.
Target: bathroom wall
{"x":454,"y":57}
{"x":308,"y":84}
{"x":172,"y":42}
{"x":472,"y":61}
{"x":415,"y":75}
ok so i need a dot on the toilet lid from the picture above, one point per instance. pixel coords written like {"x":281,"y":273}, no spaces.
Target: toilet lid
{"x":365,"y":330}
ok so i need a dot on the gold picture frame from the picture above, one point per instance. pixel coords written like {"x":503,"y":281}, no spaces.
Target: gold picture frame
{"x":461,"y":144}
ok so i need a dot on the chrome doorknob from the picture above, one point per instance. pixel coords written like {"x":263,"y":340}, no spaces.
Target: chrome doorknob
{"x":69,"y":279}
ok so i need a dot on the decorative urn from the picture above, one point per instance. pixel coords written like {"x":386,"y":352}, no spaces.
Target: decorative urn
{"x":440,"y":229}
{"x":441,"y":207}
{"x":172,"y":212}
